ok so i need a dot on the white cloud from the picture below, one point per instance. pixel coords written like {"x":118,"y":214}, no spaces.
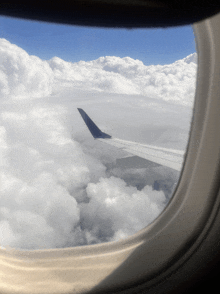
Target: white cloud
{"x":174,"y":82}
{"x":21,"y":75}
{"x":116,"y":208}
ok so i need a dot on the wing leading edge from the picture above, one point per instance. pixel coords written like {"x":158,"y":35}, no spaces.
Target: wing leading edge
{"x":168,"y":157}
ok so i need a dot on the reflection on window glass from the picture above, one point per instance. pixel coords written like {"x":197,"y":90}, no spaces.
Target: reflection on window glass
{"x":60,"y":187}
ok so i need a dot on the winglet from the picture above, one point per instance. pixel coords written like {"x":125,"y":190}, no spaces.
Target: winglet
{"x":94,"y":130}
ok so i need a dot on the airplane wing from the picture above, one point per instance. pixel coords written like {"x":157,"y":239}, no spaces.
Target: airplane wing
{"x":168,"y":157}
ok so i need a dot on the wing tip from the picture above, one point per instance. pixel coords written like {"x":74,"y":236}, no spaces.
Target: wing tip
{"x":94,"y":130}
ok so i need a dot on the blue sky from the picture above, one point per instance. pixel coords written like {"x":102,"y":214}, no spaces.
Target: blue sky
{"x":75,"y":43}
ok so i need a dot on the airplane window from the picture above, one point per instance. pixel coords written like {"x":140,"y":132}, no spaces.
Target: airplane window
{"x":94,"y":126}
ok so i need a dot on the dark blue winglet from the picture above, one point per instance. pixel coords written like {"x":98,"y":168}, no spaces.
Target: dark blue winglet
{"x":95,"y":131}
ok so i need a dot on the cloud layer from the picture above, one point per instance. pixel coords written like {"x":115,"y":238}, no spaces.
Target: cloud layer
{"x":175,"y":82}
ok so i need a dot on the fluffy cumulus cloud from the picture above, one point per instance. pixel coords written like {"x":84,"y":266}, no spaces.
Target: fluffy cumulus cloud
{"x":118,"y":210}
{"x":112,"y":74}
{"x":22,"y":75}
{"x":61,"y":188}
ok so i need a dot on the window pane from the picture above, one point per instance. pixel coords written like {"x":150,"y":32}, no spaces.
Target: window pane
{"x":60,"y":187}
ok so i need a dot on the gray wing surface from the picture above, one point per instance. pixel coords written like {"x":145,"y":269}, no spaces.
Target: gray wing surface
{"x":167,"y":157}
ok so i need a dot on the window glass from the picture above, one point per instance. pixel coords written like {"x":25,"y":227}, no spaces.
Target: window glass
{"x":60,"y":187}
